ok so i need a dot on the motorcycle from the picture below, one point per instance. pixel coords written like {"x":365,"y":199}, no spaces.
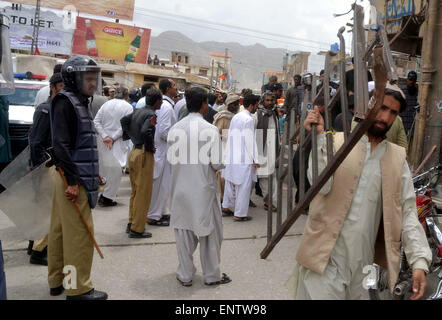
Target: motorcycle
{"x":428,"y":215}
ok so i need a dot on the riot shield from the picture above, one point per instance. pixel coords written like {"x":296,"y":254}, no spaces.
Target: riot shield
{"x":17,"y":169}
{"x":27,"y":202}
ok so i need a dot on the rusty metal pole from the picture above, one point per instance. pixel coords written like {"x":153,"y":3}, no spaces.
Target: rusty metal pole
{"x":342,"y":78}
{"x":270,"y":209}
{"x":426,"y":78}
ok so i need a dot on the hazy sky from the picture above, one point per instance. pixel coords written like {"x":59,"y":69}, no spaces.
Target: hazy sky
{"x":311,"y":20}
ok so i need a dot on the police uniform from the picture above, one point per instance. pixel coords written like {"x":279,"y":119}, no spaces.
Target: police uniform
{"x":75,"y":151}
{"x":39,"y":142}
{"x":140,"y":128}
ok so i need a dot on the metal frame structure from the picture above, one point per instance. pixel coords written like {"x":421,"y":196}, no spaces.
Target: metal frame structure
{"x":365,"y":114}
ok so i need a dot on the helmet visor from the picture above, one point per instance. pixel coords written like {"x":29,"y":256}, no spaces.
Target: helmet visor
{"x":6,"y":75}
{"x":88,"y":80}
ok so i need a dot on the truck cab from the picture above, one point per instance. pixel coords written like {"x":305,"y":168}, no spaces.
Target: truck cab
{"x":21,"y":111}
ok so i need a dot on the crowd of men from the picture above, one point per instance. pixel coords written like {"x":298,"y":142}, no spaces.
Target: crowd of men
{"x":141,"y":132}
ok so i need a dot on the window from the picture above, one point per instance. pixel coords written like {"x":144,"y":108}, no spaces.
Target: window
{"x":187,"y":59}
{"x":105,"y":74}
{"x":179,"y":58}
{"x":150,"y":79}
{"x":203,"y":72}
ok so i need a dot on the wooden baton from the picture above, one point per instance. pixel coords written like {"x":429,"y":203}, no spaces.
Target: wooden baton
{"x":81,"y":215}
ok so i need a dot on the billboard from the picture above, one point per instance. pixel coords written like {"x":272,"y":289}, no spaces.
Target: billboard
{"x":54,"y":36}
{"x":96,"y":38}
{"x":116,"y":9}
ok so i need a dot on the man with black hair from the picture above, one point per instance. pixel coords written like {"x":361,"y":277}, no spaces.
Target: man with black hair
{"x":364,"y":214}
{"x":219,"y":103}
{"x":39,"y":141}
{"x":396,"y":134}
{"x":267,"y":120}
{"x":45,"y":92}
{"x":292,"y":98}
{"x":109,"y":130}
{"x":166,"y":118}
{"x":241,"y":165}
{"x":411,"y":91}
{"x":212,"y":99}
{"x":210,"y":115}
{"x":350,"y":79}
{"x":142,"y":102}
{"x":196,"y":211}
{"x":298,"y":84}
{"x":268,"y":86}
{"x":338,"y":124}
{"x":140,"y":128}
{"x":277,"y":90}
{"x":320,"y":105}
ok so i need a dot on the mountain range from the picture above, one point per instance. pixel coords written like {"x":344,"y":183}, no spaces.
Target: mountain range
{"x":248,"y":62}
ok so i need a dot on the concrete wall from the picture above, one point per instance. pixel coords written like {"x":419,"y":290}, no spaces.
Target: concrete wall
{"x":433,"y":130}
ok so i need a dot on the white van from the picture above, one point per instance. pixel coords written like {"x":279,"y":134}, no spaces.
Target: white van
{"x":21,"y":112}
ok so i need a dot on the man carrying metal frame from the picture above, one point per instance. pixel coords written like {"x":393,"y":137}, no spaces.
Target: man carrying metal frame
{"x":361,"y":215}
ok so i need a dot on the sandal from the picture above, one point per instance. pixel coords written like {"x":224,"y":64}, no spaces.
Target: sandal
{"x":185,"y":284}
{"x":158,"y":223}
{"x":242,"y":219}
{"x":252,"y":204}
{"x":165,"y":218}
{"x":228,"y":213}
{"x":225,"y":279}
{"x":266,"y":207}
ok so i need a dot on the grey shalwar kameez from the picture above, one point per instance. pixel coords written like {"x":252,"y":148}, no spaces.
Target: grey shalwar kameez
{"x":195,"y":203}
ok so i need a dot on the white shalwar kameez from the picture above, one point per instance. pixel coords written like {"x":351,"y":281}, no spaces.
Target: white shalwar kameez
{"x":107,"y":124}
{"x":263,"y":171}
{"x":354,"y":249}
{"x":162,"y":170}
{"x":195,"y":203}
{"x":241,"y":153}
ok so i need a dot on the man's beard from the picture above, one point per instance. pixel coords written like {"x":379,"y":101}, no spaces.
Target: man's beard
{"x":377,"y":132}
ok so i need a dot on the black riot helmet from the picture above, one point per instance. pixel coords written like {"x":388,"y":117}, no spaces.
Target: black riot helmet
{"x":307,"y":79}
{"x":135,"y":95}
{"x":74,"y":71}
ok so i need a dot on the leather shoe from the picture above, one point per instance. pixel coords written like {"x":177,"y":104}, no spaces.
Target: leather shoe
{"x":137,"y":235}
{"x":30,"y":245}
{"x":40,"y":258}
{"x":106,"y":202}
{"x":91,"y":295}
{"x":56,"y":291}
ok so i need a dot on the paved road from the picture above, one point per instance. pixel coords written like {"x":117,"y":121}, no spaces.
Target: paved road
{"x":145,"y":269}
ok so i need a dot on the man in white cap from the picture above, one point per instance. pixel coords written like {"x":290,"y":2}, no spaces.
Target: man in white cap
{"x":396,"y":134}
{"x":241,"y":158}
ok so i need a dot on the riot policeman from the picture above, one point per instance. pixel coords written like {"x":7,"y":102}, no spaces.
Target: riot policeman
{"x":75,"y":153}
{"x":39,"y":142}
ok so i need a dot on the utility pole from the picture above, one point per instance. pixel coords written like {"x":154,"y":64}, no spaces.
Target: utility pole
{"x":34,"y":44}
{"x":429,"y":129}
{"x":423,"y":140}
{"x":217,"y":76}
{"x":225,"y":68}
{"x":211,"y":76}
{"x":234,"y":83}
